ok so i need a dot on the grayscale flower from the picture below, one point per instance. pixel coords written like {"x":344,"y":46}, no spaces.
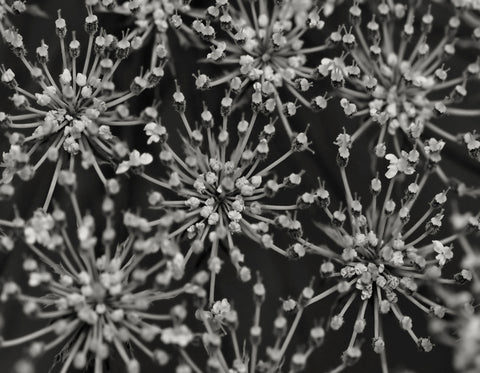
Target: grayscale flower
{"x":394,"y":76}
{"x":215,"y":190}
{"x":97,"y":296}
{"x":71,"y":115}
{"x":380,"y":257}
{"x":263,"y":46}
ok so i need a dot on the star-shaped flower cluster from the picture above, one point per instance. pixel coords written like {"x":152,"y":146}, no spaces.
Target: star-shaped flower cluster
{"x":98,"y":295}
{"x":264,"y":45}
{"x":72,"y":114}
{"x":401,"y":85}
{"x":220,"y":190}
{"x":381,"y":255}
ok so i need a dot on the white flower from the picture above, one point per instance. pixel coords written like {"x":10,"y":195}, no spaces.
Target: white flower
{"x":135,"y":160}
{"x":179,"y":335}
{"x":397,"y":165}
{"x":221,"y":308}
{"x":444,"y":253}
{"x":155,"y":132}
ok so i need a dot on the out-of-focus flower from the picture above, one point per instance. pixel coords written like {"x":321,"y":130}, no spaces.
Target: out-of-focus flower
{"x":381,"y":256}
{"x":71,"y":115}
{"x":219,"y":191}
{"x":461,"y":332}
{"x":8,"y":9}
{"x":95,"y":296}
{"x":265,"y":48}
{"x":469,"y":11}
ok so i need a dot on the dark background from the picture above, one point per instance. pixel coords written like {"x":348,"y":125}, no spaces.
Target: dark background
{"x":282,"y":278}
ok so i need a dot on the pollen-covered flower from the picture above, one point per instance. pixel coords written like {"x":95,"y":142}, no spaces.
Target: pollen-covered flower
{"x":216,"y":190}
{"x":154,"y":19}
{"x":380,"y":258}
{"x":221,"y":321}
{"x":264,"y":47}
{"x":72,"y":112}
{"x":97,"y":296}
{"x":395,"y":77}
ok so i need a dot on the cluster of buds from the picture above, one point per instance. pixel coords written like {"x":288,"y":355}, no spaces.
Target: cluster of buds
{"x":397,"y":82}
{"x":264,"y":47}
{"x":381,"y":256}
{"x":214,"y":191}
{"x":96,"y":304}
{"x":74,"y":114}
{"x":223,"y":190}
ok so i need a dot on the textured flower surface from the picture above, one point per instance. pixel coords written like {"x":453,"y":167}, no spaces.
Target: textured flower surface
{"x":98,"y":298}
{"x":221,"y":190}
{"x":72,"y":115}
{"x":395,"y":77}
{"x":381,"y":256}
{"x":263,"y":44}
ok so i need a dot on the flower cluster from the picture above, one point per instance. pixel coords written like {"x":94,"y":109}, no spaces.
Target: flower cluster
{"x":219,"y":191}
{"x":210,"y":196}
{"x":72,"y":115}
{"x":396,"y":80}
{"x":381,"y":255}
{"x":264,"y":46}
{"x":99,"y":296}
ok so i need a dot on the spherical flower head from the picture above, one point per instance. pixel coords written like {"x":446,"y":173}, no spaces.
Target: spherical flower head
{"x":381,"y":257}
{"x":222,"y":191}
{"x":69,"y":117}
{"x":94,"y":305}
{"x":265,"y":48}
{"x":392,"y":77}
